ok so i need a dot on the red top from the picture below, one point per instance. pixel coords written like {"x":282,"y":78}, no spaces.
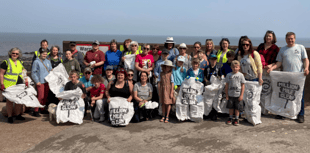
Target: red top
{"x":151,"y":52}
{"x":97,"y":56}
{"x":141,"y":58}
{"x":270,"y":54}
{"x":97,"y":91}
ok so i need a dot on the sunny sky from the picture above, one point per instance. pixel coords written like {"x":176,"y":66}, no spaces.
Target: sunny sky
{"x":160,"y":17}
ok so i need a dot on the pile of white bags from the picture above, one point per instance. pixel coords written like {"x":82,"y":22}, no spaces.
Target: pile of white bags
{"x":251,"y":98}
{"x":210,"y":94}
{"x":190,"y":102}
{"x":71,"y":107}
{"x":19,"y":94}
{"x":121,"y":111}
{"x":287,"y":91}
{"x":57,"y":79}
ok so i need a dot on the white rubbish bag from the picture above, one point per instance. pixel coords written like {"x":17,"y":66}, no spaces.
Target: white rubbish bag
{"x":190,"y":94}
{"x":266,"y":93}
{"x":57,"y":79}
{"x":287,"y":92}
{"x":251,"y":98}
{"x":210,"y":93}
{"x":151,"y":105}
{"x":121,"y":111}
{"x":71,"y":108}
{"x":220,"y":100}
{"x":129,"y":62}
{"x":19,"y":94}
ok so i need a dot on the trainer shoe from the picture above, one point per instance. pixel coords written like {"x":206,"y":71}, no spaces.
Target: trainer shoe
{"x":19,"y":117}
{"x":300,"y":119}
{"x":229,"y":121}
{"x":236,"y":122}
{"x":101,"y":118}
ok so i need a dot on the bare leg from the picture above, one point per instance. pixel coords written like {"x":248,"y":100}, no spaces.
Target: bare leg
{"x":9,"y":108}
{"x":236,"y":112}
{"x":231,"y":112}
{"x":168,"y":110}
{"x":18,"y":108}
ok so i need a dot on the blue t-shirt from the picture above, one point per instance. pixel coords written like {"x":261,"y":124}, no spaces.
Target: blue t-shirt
{"x":178,"y":75}
{"x":112,"y":58}
{"x":292,"y":58}
{"x":203,"y":65}
{"x":173,"y":53}
{"x":85,"y":82}
{"x":226,"y":68}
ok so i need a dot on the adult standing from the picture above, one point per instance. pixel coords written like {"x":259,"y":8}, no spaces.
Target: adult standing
{"x":269,"y":49}
{"x":293,"y":57}
{"x":210,"y":48}
{"x":144,"y":62}
{"x":126,"y":45}
{"x":40,"y":69}
{"x":237,"y":51}
{"x":76,"y":54}
{"x":197,"y":46}
{"x":44,"y":45}
{"x":188,"y":58}
{"x":169,"y":45}
{"x":221,"y":54}
{"x":55,"y":56}
{"x":155,"y":52}
{"x":95,"y":58}
{"x":250,"y":62}
{"x":11,"y":74}
{"x":113,"y":56}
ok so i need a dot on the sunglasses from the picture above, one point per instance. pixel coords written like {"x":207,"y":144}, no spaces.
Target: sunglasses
{"x":246,"y":45}
{"x":196,"y":47}
{"x":87,"y":72}
{"x":130,"y":74}
{"x":133,"y":45}
{"x":15,"y":53}
{"x":154,"y":49}
{"x":146,"y":48}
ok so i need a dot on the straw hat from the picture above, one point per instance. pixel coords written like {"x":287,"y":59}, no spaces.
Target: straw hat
{"x":183,"y":45}
{"x":169,"y":40}
{"x":168,"y":63}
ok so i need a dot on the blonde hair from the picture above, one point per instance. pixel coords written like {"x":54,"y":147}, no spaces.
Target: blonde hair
{"x":235,"y":62}
{"x":209,"y":40}
{"x":175,"y":68}
{"x":195,"y":60}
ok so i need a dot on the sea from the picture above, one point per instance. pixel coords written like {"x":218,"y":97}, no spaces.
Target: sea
{"x":29,"y":42}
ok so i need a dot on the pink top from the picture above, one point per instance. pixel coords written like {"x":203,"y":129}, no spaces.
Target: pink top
{"x":144,"y":59}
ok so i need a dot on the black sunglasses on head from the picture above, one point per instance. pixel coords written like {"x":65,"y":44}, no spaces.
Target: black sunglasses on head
{"x":269,"y":31}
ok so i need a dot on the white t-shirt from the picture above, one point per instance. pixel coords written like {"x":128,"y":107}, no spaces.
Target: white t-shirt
{"x":246,"y":68}
{"x":196,"y":72}
{"x":292,"y":58}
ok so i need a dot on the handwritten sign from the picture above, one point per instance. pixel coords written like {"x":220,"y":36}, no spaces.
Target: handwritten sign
{"x":117,"y":115}
{"x":188,"y":96}
{"x":69,"y":104}
{"x":287,"y":91}
{"x":86,"y":47}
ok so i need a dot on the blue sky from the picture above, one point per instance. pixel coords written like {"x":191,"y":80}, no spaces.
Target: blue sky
{"x":157,"y":17}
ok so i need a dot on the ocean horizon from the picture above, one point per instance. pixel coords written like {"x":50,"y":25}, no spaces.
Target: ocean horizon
{"x":29,"y":42}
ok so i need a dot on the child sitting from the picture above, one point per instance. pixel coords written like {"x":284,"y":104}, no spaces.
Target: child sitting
{"x":234,"y":92}
{"x":227,"y":66}
{"x":97,"y":94}
{"x":212,"y":69}
{"x":203,"y":63}
{"x":195,"y":71}
{"x":75,"y":83}
{"x":179,"y":73}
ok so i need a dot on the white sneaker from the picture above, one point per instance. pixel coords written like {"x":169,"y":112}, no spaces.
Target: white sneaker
{"x":101,"y":118}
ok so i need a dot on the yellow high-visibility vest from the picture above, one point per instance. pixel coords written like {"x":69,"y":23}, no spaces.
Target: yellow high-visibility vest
{"x":12,"y":72}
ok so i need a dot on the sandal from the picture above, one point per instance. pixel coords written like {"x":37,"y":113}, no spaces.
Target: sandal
{"x":162,"y":119}
{"x":167,"y":120}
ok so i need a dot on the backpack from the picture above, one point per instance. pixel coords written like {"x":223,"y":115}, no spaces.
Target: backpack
{"x":261,"y":58}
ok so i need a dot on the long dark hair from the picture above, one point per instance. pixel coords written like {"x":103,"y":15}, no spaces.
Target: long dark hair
{"x":240,"y":42}
{"x":140,"y":74}
{"x":274,"y":37}
{"x":250,"y":49}
{"x":224,"y":39}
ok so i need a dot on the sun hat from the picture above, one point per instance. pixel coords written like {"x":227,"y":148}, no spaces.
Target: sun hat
{"x":181,"y":58}
{"x":169,"y":40}
{"x":168,"y":63}
{"x":183,"y":45}
{"x":96,"y":42}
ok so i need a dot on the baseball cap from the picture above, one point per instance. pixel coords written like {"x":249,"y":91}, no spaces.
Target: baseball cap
{"x":109,"y":67}
{"x":213,"y":56}
{"x":87,"y":69}
{"x":181,"y":58}
{"x":96,"y":42}
{"x":165,"y":51}
{"x":72,"y":43}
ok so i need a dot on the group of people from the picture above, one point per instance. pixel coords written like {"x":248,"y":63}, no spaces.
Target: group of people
{"x":156,"y":74}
